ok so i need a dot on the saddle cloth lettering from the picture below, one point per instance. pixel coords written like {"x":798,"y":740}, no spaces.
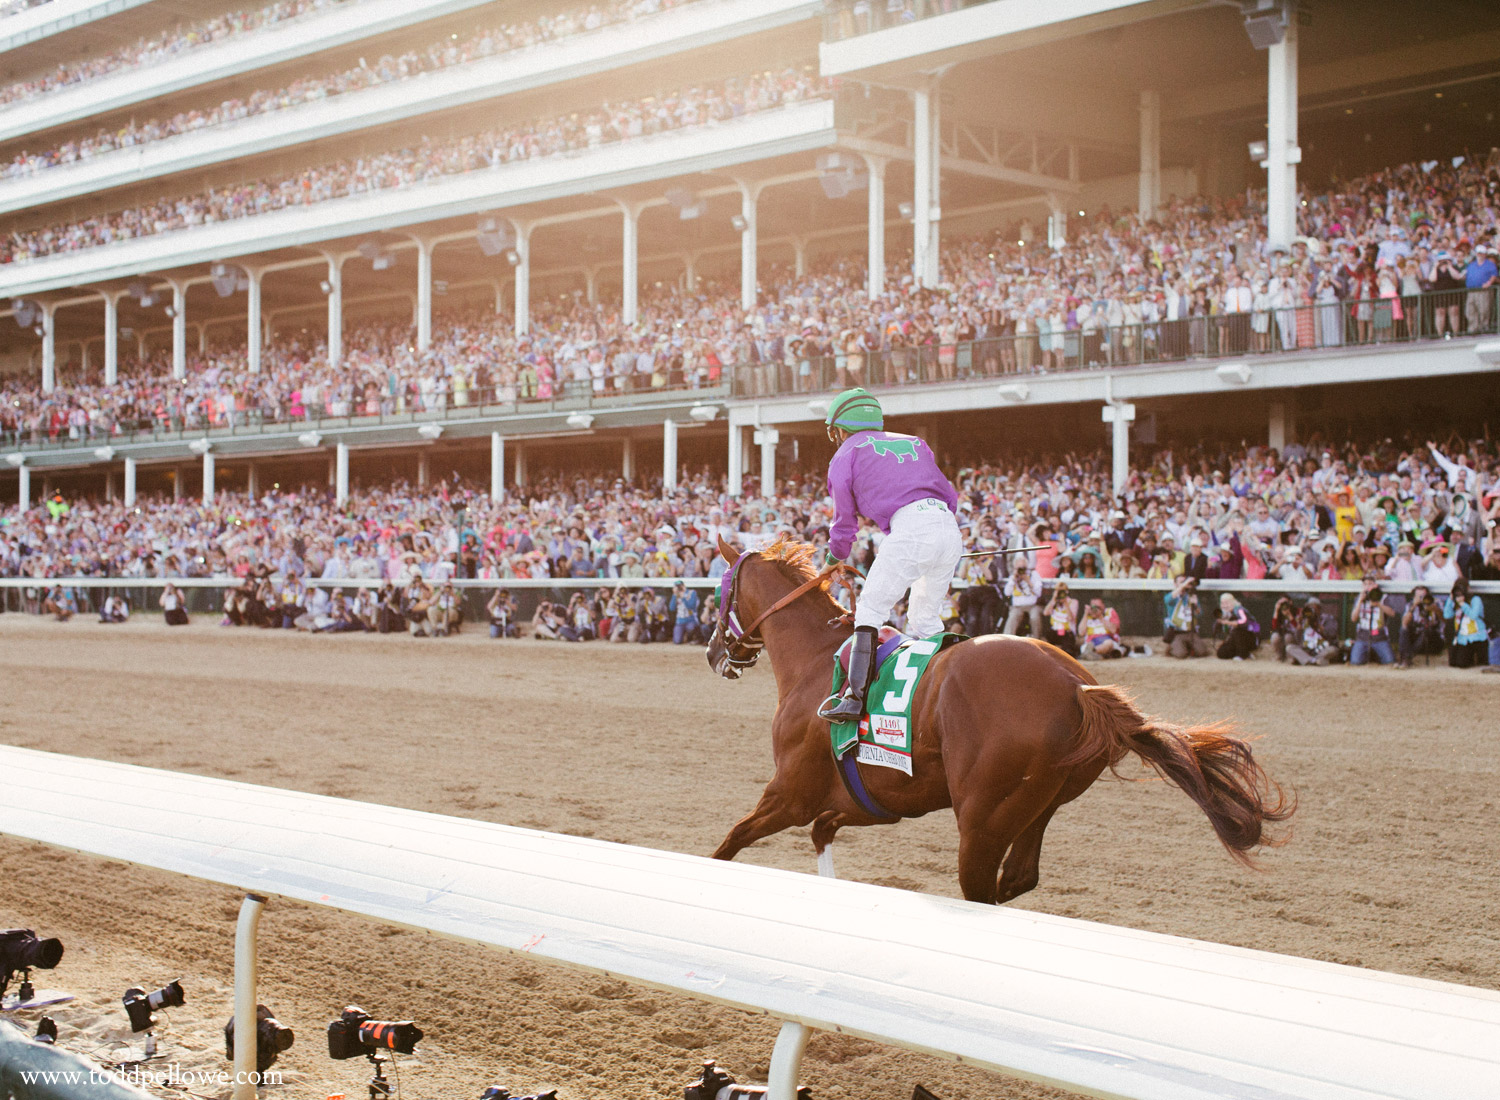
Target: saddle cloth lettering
{"x":885,"y":732}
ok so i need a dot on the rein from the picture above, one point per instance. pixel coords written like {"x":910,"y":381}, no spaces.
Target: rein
{"x":838,"y":569}
{"x":742,"y":646}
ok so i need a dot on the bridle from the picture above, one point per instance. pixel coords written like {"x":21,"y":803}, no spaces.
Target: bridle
{"x":742,"y":644}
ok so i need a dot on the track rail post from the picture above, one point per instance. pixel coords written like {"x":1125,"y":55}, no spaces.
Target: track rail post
{"x":786,"y":1060}
{"x":245,"y":1044}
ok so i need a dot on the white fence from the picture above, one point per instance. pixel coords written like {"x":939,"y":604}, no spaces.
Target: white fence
{"x":1109,"y":1011}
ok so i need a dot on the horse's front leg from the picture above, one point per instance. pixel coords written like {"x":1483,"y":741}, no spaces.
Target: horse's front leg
{"x":773,"y":813}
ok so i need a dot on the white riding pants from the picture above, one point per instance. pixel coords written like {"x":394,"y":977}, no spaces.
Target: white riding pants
{"x":920,"y":553}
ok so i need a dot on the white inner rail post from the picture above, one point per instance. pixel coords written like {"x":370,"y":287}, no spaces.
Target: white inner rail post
{"x":246,"y":1041}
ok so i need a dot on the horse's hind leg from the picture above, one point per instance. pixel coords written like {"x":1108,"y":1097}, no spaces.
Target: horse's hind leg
{"x":1023,"y":862}
{"x":984,"y":837}
{"x":771,"y":815}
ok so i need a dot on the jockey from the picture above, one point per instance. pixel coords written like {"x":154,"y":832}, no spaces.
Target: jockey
{"x":893,"y":480}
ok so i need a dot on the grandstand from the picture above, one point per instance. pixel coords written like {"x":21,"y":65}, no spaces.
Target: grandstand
{"x":468,"y":205}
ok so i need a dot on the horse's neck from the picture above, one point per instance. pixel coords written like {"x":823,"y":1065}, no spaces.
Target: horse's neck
{"x":801,"y":644}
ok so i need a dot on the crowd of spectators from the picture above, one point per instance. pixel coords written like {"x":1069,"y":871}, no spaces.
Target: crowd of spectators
{"x":1193,"y":282}
{"x":157,"y":48}
{"x":490,"y":38}
{"x":431,"y":158}
{"x":1415,"y":513}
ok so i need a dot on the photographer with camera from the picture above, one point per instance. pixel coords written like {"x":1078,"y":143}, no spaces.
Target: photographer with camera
{"x":1317,"y":641}
{"x":1286,"y":627}
{"x":1468,"y":642}
{"x":1421,"y":627}
{"x":547,"y":622}
{"x":1180,"y":620}
{"x":1371,"y":630}
{"x":1241,"y":631}
{"x":389,"y":616}
{"x":415,"y":605}
{"x":502,"y":613}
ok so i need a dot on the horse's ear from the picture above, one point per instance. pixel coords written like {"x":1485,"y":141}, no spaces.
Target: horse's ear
{"x":727,"y":552}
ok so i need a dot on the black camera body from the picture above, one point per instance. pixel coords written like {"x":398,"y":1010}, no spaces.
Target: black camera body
{"x":715,"y":1084}
{"x":20,"y":949}
{"x":355,"y":1035}
{"x":139,"y":1005}
{"x":271,"y":1038}
{"x":500,"y":1092}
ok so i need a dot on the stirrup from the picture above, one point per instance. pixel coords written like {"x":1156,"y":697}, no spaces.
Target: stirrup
{"x":833,"y":710}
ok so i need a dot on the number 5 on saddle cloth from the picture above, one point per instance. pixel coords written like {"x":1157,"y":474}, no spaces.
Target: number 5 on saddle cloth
{"x":884,"y":734}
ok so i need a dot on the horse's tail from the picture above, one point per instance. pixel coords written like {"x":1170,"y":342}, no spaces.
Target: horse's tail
{"x":1213,"y":767}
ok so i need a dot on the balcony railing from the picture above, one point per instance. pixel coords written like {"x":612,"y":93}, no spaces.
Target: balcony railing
{"x":1383,"y":322}
{"x":851,"y":18}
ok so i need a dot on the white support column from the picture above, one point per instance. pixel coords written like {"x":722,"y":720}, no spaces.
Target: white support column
{"x":924,"y":119}
{"x":176,"y":484}
{"x":424,"y":469}
{"x":111,"y":338}
{"x":253,"y":328}
{"x":799,"y":256}
{"x":1276,"y":429}
{"x":876,"y":227}
{"x":627,"y":459}
{"x":424,"y":293}
{"x":520,"y":474}
{"x":767,"y":438}
{"x":129,"y":494}
{"x":523,"y":278}
{"x":83,"y":356}
{"x":736,"y":460}
{"x":208,"y":477}
{"x":786,"y":1060}
{"x":497,"y":466}
{"x":1057,"y":222}
{"x":252,"y":480}
{"x":935,"y":189}
{"x":24,"y":496}
{"x":1282,"y":153}
{"x":499,"y":296}
{"x":49,"y":348}
{"x":630,"y":275}
{"x":202,"y":339}
{"x":1119,"y":414}
{"x":591,"y":285}
{"x":341,"y":475}
{"x":1149,"y":189}
{"x":109,"y":485}
{"x":668,"y":456}
{"x":179,"y":331}
{"x":335,"y":309}
{"x":749,"y":290}
{"x":690,"y":272}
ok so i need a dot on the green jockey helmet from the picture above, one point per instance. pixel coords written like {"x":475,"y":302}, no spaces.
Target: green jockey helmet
{"x":854,"y":410}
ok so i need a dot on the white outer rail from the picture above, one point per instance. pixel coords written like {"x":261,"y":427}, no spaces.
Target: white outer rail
{"x":1109,"y":1011}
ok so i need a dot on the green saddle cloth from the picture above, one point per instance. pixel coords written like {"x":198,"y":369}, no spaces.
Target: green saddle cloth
{"x":885,"y":732}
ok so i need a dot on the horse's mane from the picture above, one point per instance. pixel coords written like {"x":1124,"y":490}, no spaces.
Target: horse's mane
{"x":797,"y":555}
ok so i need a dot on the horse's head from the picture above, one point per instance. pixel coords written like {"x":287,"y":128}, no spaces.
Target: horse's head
{"x":731,"y":651}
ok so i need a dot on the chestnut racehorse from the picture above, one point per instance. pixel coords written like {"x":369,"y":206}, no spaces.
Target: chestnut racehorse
{"x":1006,"y":731}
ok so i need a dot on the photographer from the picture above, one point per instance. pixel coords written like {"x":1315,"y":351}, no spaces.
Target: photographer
{"x":1180,"y":620}
{"x":1371,"y":630}
{"x":546,"y":623}
{"x":1317,"y":643}
{"x":1421,"y":627}
{"x":1286,"y":627}
{"x":389,"y":616}
{"x":1100,"y":633}
{"x":1468,"y":643}
{"x":1024,"y":594}
{"x":173,"y":605}
{"x":684,"y":608}
{"x":980,"y":604}
{"x":417,"y":603}
{"x":502,"y":613}
{"x":444,"y":611}
{"x":115,"y":609}
{"x":578,"y":624}
{"x":1062,"y":620}
{"x":1241,"y":631}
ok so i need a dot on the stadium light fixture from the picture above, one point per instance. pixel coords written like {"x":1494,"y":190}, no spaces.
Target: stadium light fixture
{"x":15,"y":459}
{"x":1236,"y":374}
{"x":430,"y":431}
{"x":704,"y":413}
{"x":512,"y":257}
{"x":1015,"y":392}
{"x":494,"y":236}
{"x":309,"y":439}
{"x":170,"y":312}
{"x":104,"y":454}
{"x":580,"y":420}
{"x":325,"y":286}
{"x":1259,"y":150}
{"x":227,"y":279}
{"x":906,"y":210}
{"x":200,"y":446}
{"x":739,"y":223}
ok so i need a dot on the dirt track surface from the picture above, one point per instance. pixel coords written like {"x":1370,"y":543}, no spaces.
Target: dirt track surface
{"x":1392,"y":865}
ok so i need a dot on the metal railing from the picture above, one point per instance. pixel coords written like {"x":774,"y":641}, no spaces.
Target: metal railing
{"x":852,"y":18}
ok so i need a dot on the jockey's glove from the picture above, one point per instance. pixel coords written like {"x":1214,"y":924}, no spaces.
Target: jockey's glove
{"x":829,"y":561}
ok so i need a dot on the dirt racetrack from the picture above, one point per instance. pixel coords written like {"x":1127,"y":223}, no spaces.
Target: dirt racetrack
{"x":1393,"y":864}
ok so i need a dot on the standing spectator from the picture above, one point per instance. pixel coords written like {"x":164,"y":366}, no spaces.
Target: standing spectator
{"x":1371,"y":630}
{"x":1238,"y":627}
{"x":1470,"y":644}
{"x":1479,"y":281}
{"x":173,"y":605}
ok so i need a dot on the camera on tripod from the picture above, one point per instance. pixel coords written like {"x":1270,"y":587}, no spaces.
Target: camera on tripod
{"x":20,"y":949}
{"x":139,"y":1005}
{"x":271,"y":1038}
{"x":355,"y":1035}
{"x":715,"y":1084}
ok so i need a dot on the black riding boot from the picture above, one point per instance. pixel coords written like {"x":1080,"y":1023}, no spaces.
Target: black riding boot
{"x":850,"y":704}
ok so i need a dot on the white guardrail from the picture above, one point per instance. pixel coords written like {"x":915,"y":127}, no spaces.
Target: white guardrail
{"x":1109,"y":1011}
